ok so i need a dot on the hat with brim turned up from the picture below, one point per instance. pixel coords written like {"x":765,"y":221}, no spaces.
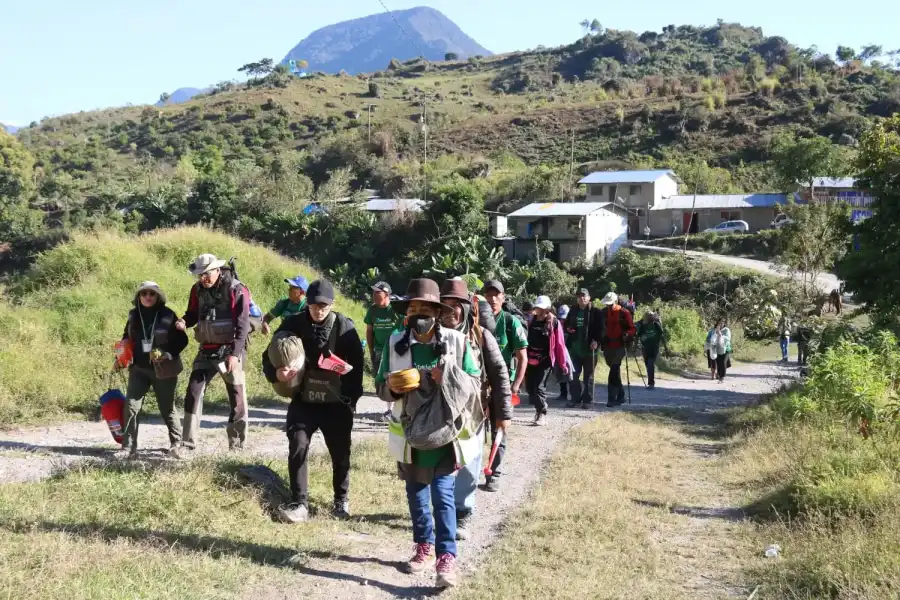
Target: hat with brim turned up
{"x":422,"y":290}
{"x":205,"y":263}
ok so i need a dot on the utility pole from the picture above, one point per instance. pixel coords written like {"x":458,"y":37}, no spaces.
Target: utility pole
{"x":572,"y":159}
{"x":370,"y":121}
{"x":425,"y":131}
{"x":687,"y":231}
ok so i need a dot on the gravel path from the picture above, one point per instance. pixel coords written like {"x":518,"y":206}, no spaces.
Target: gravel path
{"x":33,"y":453}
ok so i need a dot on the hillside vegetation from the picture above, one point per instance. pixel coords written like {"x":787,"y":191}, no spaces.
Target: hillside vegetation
{"x":61,"y":318}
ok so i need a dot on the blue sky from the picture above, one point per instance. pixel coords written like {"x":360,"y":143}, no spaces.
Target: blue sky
{"x":61,"y":56}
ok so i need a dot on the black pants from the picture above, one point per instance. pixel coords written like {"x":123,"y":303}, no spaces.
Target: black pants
{"x":583,"y":378}
{"x":336,"y":423}
{"x":501,"y":450}
{"x":615,"y":389}
{"x":721,"y":366}
{"x":802,"y":352}
{"x":650,"y":357}
{"x":536,"y":385}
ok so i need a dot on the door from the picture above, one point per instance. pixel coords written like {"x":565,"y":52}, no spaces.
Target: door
{"x":689,"y":222}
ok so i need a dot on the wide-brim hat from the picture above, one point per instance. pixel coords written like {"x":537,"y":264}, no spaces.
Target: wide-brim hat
{"x":205,"y":263}
{"x":151,"y":285}
{"x":423,"y":290}
{"x":456,"y":289}
{"x":610,"y":299}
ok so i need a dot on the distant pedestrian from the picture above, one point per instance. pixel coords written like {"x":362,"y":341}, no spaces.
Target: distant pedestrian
{"x":804,"y":336}
{"x":562,"y":314}
{"x":674,"y":229}
{"x":546,"y":350}
{"x":618,"y":329}
{"x":528,"y":310}
{"x":381,"y":320}
{"x":290,"y":305}
{"x":784,"y":336}
{"x":718,"y":345}
{"x":651,"y":335}
{"x":583,"y":325}
{"x":647,"y":233}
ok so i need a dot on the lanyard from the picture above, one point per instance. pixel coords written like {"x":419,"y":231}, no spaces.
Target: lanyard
{"x":152,"y":327}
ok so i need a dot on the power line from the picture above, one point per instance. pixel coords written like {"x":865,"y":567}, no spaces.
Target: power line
{"x":397,"y":23}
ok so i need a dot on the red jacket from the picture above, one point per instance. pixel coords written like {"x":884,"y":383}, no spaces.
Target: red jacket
{"x":618,"y":324}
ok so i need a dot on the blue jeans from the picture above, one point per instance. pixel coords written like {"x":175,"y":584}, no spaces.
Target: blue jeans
{"x":785,"y":341}
{"x":440,"y":529}
{"x":467,"y":480}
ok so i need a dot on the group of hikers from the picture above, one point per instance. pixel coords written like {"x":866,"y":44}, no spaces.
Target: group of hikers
{"x":448,"y":363}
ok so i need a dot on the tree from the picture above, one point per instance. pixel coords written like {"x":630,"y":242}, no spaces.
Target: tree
{"x":815,"y":240}
{"x":755,"y":68}
{"x":586,"y":25}
{"x":337,"y":187}
{"x":798,"y":161}
{"x":845,"y":53}
{"x":374,"y":90}
{"x":457,"y":207}
{"x":451,"y":56}
{"x":870,"y":52}
{"x":258,"y":69}
{"x":596,"y":27}
{"x":871,"y":267}
{"x":16,"y":169}
{"x":164,"y":97}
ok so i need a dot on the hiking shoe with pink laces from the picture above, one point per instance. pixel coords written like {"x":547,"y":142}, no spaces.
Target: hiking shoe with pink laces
{"x":446,"y":571}
{"x":422,"y":559}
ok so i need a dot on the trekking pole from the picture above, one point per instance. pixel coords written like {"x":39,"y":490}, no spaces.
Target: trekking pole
{"x":640,"y":372}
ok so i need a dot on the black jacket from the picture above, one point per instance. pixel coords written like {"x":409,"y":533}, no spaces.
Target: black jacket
{"x":593,"y":328}
{"x":168,"y":339}
{"x":347,"y":346}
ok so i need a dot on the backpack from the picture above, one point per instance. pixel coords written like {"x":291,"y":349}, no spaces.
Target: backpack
{"x":256,"y":315}
{"x":510,"y":307}
{"x":623,"y":322}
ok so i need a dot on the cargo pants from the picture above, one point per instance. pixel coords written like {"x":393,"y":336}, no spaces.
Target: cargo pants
{"x":140,"y":381}
{"x":204,"y":371}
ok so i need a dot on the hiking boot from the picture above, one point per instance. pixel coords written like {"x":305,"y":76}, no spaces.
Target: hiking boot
{"x":586,"y":405}
{"x":422,"y":559}
{"x":573,"y":404}
{"x":175,"y":452}
{"x":446,"y":571}
{"x":235,"y":444}
{"x":341,"y":508}
{"x":492,"y":484}
{"x":540,"y":419}
{"x":462,"y":527}
{"x":293,"y":512}
{"x":124,"y":453}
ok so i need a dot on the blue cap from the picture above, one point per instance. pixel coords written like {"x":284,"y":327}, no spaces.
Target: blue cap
{"x":298,"y":282}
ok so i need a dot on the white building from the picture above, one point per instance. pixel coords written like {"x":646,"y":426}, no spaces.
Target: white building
{"x":589,"y":230}
{"x":637,"y":191}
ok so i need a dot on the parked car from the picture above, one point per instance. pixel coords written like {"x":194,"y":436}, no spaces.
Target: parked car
{"x":780,"y":221}
{"x":730,"y":227}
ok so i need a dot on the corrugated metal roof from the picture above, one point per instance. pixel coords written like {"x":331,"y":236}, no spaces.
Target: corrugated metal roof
{"x":628,"y":176}
{"x":828,"y":182}
{"x":720,"y":201}
{"x":386,"y":204}
{"x":560,"y":209}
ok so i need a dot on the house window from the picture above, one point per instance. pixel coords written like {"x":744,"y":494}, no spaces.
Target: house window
{"x":612,"y":193}
{"x":574,"y":224}
{"x":596,"y":190}
{"x":634,"y":190}
{"x":730,"y":215}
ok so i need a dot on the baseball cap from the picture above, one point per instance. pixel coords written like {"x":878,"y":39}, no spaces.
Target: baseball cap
{"x":543,"y":302}
{"x":583,"y":292}
{"x":320,"y":291}
{"x":298,"y":282}
{"x":493,"y":284}
{"x":382,"y":286}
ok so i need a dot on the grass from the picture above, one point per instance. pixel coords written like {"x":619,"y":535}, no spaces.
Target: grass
{"x":127,"y":531}
{"x":601,"y":526}
{"x":60,"y":319}
{"x":828,"y":497}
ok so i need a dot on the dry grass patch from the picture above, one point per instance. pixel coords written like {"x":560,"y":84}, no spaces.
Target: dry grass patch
{"x":616,"y":517}
{"x":189,"y":531}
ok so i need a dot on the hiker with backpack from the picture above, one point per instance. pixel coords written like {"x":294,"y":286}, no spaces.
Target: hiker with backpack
{"x":718,"y":349}
{"x":512,"y":337}
{"x":584,"y":326}
{"x":219,"y":308}
{"x":651,"y":336}
{"x":290,"y":305}
{"x":546,"y":350}
{"x":381,"y":321}
{"x":431,"y":375}
{"x":157,"y":346}
{"x":618,"y":330}
{"x":473,"y":318}
{"x":324,"y":400}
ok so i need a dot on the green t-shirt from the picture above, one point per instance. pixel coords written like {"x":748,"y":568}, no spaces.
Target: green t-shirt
{"x":579,"y":342}
{"x":651,"y":336}
{"x":384,"y":320}
{"x":506,"y":325}
{"x":424,"y":357}
{"x":285,"y":308}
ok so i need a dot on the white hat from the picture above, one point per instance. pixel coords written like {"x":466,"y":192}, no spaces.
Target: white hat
{"x":610,"y":299}
{"x":205,"y":263}
{"x":543,"y":302}
{"x":563,"y":311}
{"x":151,"y":285}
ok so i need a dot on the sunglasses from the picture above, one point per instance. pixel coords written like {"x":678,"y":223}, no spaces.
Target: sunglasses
{"x":148,"y":293}
{"x":207,"y":275}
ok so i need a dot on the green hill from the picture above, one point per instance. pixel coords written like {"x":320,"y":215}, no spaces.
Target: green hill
{"x":61,"y":318}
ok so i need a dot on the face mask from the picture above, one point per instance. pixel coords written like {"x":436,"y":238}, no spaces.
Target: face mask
{"x":421,"y":324}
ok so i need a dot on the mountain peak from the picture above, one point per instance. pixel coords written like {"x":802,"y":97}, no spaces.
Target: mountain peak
{"x":369,"y":43}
